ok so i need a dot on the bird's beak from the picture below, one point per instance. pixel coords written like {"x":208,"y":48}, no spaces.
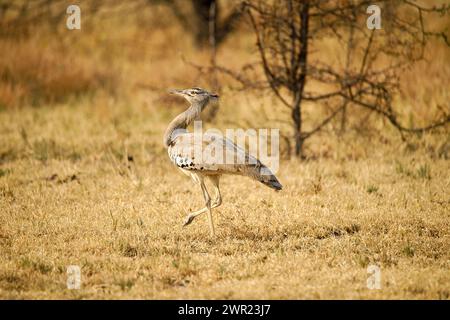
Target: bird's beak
{"x":176,"y":91}
{"x":214,"y":95}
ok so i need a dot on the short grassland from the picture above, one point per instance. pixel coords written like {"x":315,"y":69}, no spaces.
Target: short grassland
{"x":93,"y":187}
{"x":86,"y":181}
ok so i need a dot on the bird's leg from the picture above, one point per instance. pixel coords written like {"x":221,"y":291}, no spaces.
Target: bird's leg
{"x":191,"y":216}
{"x":208,"y":207}
{"x":217,"y":202}
{"x":218,"y":199}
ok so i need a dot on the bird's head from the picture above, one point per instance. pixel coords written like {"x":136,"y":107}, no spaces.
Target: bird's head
{"x":195,"y":95}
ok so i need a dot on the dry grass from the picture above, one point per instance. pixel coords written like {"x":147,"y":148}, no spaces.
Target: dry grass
{"x":70,"y":197}
{"x":84,"y":180}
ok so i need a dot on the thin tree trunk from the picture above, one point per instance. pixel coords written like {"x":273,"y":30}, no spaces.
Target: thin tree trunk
{"x":212,"y":43}
{"x":303,"y":55}
{"x":202,"y":20}
{"x":213,"y":81}
{"x":297,"y":117}
{"x":350,"y":46}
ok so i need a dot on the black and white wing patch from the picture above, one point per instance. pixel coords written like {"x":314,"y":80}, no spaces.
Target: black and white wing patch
{"x":189,"y":154}
{"x":213,"y":153}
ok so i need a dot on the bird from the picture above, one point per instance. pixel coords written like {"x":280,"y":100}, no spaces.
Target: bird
{"x":181,"y":146}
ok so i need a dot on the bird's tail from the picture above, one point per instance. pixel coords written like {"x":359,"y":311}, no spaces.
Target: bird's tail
{"x":263,"y":174}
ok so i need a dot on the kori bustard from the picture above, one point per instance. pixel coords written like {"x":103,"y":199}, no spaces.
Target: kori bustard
{"x":181,"y":146}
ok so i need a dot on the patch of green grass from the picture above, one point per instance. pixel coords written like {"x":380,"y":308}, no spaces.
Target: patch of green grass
{"x":408,"y":250}
{"x":125,"y":284}
{"x":424,"y":172}
{"x":4,"y":172}
{"x":401,"y":169}
{"x":372,"y":189}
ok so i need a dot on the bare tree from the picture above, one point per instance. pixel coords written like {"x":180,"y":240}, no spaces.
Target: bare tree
{"x":289,"y":32}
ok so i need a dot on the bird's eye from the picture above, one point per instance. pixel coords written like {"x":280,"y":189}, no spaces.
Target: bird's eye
{"x":197,"y":91}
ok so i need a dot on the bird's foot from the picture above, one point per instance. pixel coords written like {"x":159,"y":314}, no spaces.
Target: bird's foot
{"x":188,"y":220}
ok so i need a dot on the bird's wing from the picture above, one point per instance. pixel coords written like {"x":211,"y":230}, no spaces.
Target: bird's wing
{"x":214,"y":154}
{"x":208,"y":153}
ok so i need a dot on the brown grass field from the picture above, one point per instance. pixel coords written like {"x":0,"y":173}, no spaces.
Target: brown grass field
{"x":86,"y":181}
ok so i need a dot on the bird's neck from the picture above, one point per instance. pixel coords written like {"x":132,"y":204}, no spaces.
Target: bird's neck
{"x":183,"y":120}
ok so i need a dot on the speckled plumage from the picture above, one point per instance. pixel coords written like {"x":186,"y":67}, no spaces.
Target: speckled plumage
{"x":182,"y":147}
